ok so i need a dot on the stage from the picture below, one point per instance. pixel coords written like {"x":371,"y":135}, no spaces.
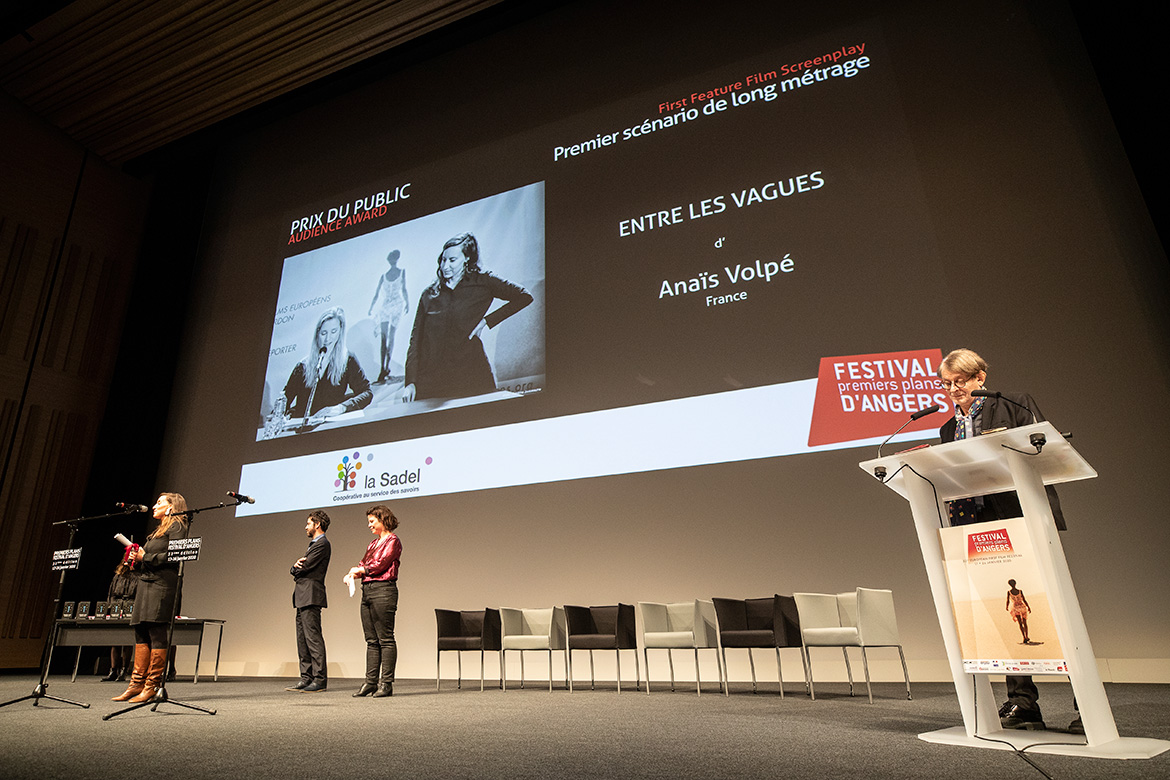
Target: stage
{"x":263,"y":731}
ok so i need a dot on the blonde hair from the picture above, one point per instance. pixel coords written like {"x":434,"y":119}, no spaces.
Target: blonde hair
{"x":963,"y":361}
{"x":173,"y":515}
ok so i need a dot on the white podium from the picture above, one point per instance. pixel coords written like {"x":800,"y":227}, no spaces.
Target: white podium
{"x":995,"y":463}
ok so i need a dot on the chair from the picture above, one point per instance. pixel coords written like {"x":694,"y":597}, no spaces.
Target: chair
{"x":466,"y":630}
{"x":764,"y":622}
{"x":530,"y":629}
{"x":864,"y":618}
{"x":686,"y":625}
{"x":601,"y":628}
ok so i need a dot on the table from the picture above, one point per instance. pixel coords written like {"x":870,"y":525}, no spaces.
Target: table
{"x":109,"y":632}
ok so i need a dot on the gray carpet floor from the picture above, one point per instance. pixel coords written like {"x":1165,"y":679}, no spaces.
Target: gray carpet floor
{"x":262,"y":731}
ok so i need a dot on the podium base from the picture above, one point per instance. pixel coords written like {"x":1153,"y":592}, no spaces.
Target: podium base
{"x":1053,"y":742}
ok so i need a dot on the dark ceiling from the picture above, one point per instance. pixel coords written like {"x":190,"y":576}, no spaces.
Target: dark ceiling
{"x":125,"y":77}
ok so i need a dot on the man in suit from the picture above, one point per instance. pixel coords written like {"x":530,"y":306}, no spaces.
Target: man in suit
{"x":309,"y":598}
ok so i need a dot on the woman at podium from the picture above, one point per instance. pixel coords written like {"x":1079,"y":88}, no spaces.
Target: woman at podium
{"x":963,"y":374}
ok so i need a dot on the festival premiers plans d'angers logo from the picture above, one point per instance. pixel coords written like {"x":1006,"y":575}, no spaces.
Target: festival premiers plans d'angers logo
{"x":866,"y":396}
{"x":986,"y":543}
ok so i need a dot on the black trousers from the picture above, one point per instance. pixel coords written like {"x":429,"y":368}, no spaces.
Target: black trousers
{"x":1021,"y":691}
{"x":311,"y":645}
{"x":379,"y":607}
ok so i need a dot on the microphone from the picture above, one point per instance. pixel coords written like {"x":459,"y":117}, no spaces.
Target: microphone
{"x":240,"y":498}
{"x":981,"y":393}
{"x":923,"y":412}
{"x":916,"y":416}
{"x":132,"y":507}
{"x":122,"y":540}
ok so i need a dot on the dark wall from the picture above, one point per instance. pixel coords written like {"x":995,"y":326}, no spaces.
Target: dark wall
{"x":69,"y":233}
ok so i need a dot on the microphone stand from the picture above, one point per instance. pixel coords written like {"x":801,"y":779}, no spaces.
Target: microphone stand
{"x":161,"y":697}
{"x":312,"y":393}
{"x":41,"y":691}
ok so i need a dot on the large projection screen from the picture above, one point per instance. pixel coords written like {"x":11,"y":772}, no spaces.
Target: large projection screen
{"x":719,"y":253}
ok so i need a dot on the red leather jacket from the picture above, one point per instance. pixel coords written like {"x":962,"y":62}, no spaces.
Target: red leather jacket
{"x":381,"y":559}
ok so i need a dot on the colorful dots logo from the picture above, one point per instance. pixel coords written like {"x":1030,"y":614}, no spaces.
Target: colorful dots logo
{"x":347,"y":470}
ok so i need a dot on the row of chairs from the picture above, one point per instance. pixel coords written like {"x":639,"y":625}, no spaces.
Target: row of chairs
{"x":863,"y":619}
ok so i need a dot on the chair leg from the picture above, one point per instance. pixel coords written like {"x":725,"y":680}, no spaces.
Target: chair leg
{"x":637,"y":671}
{"x":481,"y":675}
{"x":550,"y":670}
{"x":865,"y":666}
{"x":723,"y":672}
{"x":503,"y":675}
{"x":569,"y":667}
{"x":521,"y":670}
{"x":905,"y":672}
{"x":848,"y":669}
{"x":618,"y":661}
{"x":752,"y":664}
{"x":670,"y":658}
{"x":779,"y":673}
{"x":698,"y":679}
{"x":806,"y":665}
{"x":459,"y":669}
{"x":807,"y":652}
{"x":646,"y":658}
{"x":592,"y":679}
{"x":438,"y":656}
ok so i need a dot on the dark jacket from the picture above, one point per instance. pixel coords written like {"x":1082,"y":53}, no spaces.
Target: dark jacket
{"x":1000,"y":413}
{"x":158,"y":579}
{"x":309,"y":578}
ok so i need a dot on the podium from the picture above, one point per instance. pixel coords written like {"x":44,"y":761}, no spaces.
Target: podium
{"x":995,"y":463}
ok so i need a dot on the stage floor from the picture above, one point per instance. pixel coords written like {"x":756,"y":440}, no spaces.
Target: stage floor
{"x":262,"y":731}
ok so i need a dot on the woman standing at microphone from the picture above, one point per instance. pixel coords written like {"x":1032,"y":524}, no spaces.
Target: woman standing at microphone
{"x":329,"y":380}
{"x":154,"y":600}
{"x":963,"y":373}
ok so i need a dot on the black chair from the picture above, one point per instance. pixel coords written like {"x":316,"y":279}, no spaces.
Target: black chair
{"x":602,"y":628}
{"x":467,"y":630}
{"x":765,"y":622}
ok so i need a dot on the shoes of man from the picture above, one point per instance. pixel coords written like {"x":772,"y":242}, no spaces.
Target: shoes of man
{"x":1016,"y":717}
{"x":1077,"y":726}
{"x":366,"y":689}
{"x":300,"y":686}
{"x":313,"y":687}
{"x":385,"y":689}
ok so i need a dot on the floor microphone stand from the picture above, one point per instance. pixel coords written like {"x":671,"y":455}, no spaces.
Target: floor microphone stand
{"x":161,"y":697}
{"x":41,"y":691}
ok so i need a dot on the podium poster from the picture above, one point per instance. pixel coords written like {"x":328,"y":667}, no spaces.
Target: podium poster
{"x":1001,"y":608}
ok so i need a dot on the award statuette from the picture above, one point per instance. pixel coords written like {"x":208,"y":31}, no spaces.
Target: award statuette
{"x":67,"y":610}
{"x":102,"y":609}
{"x":83,"y":609}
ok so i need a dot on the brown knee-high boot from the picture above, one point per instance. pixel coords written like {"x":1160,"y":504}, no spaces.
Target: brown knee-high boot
{"x":154,"y":675}
{"x":138,"y":676}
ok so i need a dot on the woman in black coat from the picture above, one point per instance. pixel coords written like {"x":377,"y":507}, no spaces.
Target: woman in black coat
{"x":154,"y":601}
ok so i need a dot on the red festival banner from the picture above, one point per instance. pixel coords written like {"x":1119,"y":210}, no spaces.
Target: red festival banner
{"x":864,"y":396}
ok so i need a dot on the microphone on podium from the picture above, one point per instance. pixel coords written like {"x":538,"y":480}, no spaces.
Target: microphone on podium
{"x":1037,"y":440}
{"x":132,"y":507}
{"x":241,"y":498}
{"x":981,"y":393}
{"x":880,"y":471}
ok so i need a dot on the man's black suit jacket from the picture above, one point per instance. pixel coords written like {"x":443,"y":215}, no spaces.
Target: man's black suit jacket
{"x":999,"y":413}
{"x":309,"y":590}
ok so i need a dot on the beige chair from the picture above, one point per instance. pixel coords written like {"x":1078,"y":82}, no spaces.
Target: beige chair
{"x":687,"y":625}
{"x":531,"y":629}
{"x":864,"y":618}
